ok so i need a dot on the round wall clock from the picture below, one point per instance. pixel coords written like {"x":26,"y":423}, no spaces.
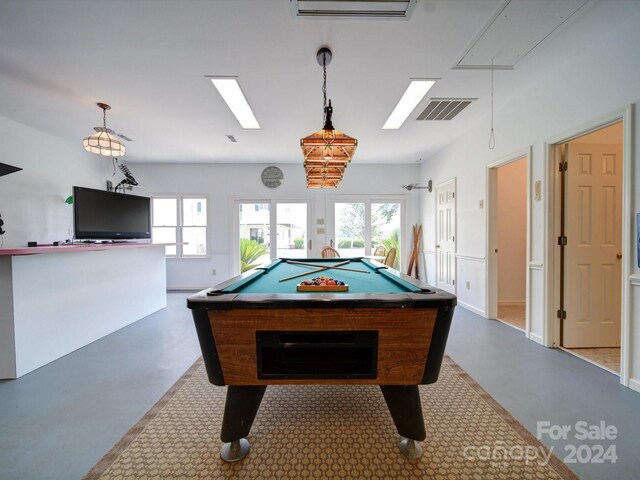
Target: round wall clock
{"x":272,"y":177}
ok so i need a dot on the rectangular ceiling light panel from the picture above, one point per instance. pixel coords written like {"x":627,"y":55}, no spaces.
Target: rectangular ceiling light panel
{"x":232,"y":94}
{"x":387,"y":9}
{"x":415,"y":92}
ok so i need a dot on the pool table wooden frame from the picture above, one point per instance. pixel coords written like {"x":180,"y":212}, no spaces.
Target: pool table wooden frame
{"x":412,"y":329}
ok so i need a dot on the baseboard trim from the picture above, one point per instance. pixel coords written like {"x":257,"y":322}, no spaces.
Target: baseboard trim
{"x":634,"y":385}
{"x":471,"y":308}
{"x":535,"y":338}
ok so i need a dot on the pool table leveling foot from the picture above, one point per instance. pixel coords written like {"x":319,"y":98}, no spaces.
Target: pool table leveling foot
{"x":410,"y":448}
{"x":235,"y":451}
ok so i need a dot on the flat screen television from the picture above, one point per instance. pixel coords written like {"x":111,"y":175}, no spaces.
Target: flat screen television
{"x":102,"y":215}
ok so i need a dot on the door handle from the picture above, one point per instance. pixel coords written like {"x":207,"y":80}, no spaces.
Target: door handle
{"x":619,"y":255}
{"x":437,"y":246}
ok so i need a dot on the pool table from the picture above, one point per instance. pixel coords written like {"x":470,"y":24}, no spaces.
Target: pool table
{"x":256,"y":330}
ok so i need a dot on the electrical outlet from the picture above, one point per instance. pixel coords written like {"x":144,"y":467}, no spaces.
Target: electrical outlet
{"x":2,"y":232}
{"x":213,"y":272}
{"x":468,"y":285}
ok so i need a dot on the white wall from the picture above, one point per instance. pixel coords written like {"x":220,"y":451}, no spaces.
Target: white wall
{"x":32,"y":200}
{"x":225,"y":183}
{"x":585,"y":81}
{"x":512,"y":232}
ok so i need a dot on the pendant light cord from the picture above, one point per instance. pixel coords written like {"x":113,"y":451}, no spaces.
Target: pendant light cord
{"x":492,"y":137}
{"x":324,"y":79}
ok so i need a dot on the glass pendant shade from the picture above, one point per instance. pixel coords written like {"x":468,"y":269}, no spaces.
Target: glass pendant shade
{"x":326,"y":155}
{"x":104,"y":143}
{"x":319,"y":147}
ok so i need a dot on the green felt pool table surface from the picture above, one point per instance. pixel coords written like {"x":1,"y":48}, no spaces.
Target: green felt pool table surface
{"x":371,"y":277}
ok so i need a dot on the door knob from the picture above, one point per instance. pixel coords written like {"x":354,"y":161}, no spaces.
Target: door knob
{"x":619,"y":255}
{"x":437,"y":246}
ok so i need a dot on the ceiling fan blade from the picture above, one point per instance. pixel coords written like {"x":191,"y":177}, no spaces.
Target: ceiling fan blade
{"x":122,"y":136}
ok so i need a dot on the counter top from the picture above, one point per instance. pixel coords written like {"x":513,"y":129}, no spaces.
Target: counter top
{"x":77,"y":247}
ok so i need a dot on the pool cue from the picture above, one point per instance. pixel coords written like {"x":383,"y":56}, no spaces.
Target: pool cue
{"x":313,"y":271}
{"x":410,"y":269}
{"x":293,"y":262}
{"x":418,"y":251}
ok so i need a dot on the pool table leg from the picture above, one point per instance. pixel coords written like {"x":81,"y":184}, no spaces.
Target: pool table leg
{"x":240,"y":410}
{"x":406,"y":410}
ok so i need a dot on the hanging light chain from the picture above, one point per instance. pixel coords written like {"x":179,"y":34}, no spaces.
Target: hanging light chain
{"x":324,"y":79}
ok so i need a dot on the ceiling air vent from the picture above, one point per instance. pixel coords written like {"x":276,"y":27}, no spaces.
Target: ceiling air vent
{"x":386,"y":9}
{"x":444,"y":108}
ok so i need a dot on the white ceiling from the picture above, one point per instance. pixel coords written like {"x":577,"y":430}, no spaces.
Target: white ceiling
{"x":148,"y":60}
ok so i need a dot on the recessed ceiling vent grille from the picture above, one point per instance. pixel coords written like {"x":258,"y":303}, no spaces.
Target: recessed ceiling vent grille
{"x":444,"y":108}
{"x":385,"y":9}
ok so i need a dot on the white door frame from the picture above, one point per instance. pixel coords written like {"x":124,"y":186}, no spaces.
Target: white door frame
{"x":491,"y":272}
{"x":235,"y":251}
{"x":453,"y":180}
{"x":551,"y":330}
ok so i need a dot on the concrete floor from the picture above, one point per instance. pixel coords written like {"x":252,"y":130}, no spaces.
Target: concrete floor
{"x":59,"y":420}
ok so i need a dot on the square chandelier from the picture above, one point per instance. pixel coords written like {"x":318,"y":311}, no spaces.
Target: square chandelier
{"x":326,"y":152}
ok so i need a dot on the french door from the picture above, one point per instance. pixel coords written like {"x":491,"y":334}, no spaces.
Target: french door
{"x":358,"y":226}
{"x":267,"y":229}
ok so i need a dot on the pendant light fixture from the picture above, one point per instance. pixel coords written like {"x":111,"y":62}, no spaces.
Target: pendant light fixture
{"x":328,"y":151}
{"x":103,"y":142}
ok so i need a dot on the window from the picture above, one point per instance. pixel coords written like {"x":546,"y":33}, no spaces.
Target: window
{"x":181,"y":219}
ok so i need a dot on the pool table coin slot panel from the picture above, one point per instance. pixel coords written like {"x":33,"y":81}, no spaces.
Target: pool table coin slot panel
{"x":317,"y":354}
{"x":404,"y":337}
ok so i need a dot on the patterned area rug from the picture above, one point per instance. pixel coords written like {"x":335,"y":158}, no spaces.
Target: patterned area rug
{"x":325,"y":432}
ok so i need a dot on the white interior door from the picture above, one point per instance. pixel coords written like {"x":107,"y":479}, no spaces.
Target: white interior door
{"x":594,"y":246}
{"x":446,"y":236}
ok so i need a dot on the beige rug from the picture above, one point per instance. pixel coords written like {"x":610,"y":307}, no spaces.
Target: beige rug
{"x":324,"y":432}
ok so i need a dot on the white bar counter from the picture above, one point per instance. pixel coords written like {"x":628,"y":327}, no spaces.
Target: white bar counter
{"x":56,"y":299}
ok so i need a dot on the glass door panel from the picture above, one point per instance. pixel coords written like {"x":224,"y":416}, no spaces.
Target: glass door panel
{"x":255,"y":238}
{"x":291,"y":224}
{"x":385,"y":229}
{"x":349,"y":221}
